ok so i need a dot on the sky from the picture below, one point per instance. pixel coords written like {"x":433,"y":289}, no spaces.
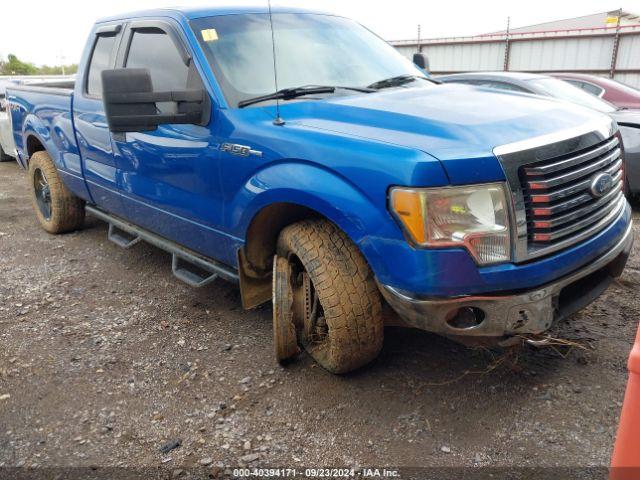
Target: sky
{"x":55,"y":31}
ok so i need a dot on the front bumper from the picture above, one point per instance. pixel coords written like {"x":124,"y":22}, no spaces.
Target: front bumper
{"x":531,"y":311}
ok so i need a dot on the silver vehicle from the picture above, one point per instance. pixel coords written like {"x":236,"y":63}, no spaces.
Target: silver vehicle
{"x":628,"y":120}
{"x":7,"y":146}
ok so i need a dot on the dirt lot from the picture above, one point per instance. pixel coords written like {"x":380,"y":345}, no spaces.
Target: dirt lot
{"x":105,"y":357}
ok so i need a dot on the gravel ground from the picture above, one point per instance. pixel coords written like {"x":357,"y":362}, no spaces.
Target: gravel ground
{"x":105,"y":358}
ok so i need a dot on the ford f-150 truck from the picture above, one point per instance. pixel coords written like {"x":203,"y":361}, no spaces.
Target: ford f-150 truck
{"x":302,"y":157}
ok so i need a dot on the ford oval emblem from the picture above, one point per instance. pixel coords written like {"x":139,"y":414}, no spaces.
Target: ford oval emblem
{"x":601,"y":184}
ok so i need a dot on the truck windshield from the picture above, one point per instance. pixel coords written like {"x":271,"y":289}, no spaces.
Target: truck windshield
{"x":311,"y":49}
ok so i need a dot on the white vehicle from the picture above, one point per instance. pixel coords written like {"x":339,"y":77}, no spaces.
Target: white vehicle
{"x":7,"y":146}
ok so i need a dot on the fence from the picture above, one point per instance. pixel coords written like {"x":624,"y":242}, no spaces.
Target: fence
{"x":608,"y":51}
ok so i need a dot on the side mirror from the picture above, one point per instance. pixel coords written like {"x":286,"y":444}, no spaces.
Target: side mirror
{"x":130,"y":102}
{"x":421,"y":61}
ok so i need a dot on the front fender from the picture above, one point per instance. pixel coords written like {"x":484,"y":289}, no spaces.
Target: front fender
{"x":325,"y":192}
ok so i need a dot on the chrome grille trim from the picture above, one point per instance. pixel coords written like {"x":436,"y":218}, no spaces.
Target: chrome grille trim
{"x":610,"y":218}
{"x":577,"y":187}
{"x":579,"y":224}
{"x":568,"y":217}
{"x":575,"y":174}
{"x":577,"y":148}
{"x":562,"y":164}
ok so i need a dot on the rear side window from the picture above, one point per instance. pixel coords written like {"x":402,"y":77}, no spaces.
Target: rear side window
{"x":575,"y":83}
{"x":503,"y":86}
{"x":153,"y":49}
{"x":593,"y":89}
{"x":100,"y":60}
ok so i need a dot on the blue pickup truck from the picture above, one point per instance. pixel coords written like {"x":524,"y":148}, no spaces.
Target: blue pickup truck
{"x":302,"y":157}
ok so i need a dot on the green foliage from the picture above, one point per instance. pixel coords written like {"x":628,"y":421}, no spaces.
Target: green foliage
{"x":14,"y":66}
{"x":57,"y":69}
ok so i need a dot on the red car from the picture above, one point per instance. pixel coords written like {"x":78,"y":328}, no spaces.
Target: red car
{"x":619,"y":94}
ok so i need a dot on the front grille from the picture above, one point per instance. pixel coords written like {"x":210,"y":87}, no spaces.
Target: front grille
{"x":561,"y":200}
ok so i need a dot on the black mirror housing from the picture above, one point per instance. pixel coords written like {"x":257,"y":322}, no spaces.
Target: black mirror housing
{"x":421,"y":60}
{"x":130,"y":102}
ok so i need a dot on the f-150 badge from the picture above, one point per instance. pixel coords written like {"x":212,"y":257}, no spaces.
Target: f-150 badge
{"x":240,"y":150}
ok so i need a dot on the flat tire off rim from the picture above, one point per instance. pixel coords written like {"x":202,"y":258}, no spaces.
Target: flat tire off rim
{"x":43,"y":193}
{"x":326,"y":297}
{"x":284,"y":330}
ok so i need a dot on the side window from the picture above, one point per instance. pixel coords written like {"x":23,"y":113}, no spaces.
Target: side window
{"x":593,"y":89}
{"x":504,"y":86}
{"x":100,"y":60}
{"x":575,"y":83}
{"x":153,"y":49}
{"x":465,"y":81}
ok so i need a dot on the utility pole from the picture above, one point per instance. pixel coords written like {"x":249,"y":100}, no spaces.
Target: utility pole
{"x":419,"y":32}
{"x":62,"y":59}
{"x":507,"y":46}
{"x":616,"y":44}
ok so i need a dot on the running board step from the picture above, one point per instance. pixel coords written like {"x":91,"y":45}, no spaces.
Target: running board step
{"x":121,"y":237}
{"x":187,"y":265}
{"x":192,"y":277}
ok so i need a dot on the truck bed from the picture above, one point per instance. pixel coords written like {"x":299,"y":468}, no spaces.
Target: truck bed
{"x":46,"y":108}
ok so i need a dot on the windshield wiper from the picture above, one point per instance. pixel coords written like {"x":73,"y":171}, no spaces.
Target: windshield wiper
{"x":397,"y":81}
{"x":290,"y":93}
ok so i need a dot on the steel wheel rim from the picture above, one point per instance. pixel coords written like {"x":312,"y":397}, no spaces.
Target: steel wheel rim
{"x":308,"y":315}
{"x":42,"y":192}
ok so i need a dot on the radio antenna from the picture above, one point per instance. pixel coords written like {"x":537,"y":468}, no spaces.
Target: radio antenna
{"x":278,"y":120}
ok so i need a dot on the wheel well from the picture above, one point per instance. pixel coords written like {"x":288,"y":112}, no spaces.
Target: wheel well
{"x":33,"y":145}
{"x":265,"y":227}
{"x":255,"y":260}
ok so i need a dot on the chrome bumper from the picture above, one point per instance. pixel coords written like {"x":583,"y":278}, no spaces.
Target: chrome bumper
{"x":529,"y":312}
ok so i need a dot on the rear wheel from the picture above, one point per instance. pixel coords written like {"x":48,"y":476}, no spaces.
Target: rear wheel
{"x":3,"y":156}
{"x":325,"y":298}
{"x":57,"y":209}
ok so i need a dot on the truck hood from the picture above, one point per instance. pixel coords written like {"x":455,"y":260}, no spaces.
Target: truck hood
{"x":627,"y":117}
{"x":457,"y":124}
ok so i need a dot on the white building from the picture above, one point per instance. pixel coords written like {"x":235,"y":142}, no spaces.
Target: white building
{"x":605,"y":44}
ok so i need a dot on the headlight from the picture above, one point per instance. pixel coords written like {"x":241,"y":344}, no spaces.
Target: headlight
{"x":475,"y":217}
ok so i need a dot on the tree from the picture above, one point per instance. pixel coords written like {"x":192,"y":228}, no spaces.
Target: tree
{"x":58,"y":69}
{"x":14,"y":66}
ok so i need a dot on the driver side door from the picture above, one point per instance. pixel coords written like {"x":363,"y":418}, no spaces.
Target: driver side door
{"x":169,"y":176}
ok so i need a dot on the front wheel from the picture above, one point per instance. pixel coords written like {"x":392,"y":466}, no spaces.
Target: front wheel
{"x":325,"y":299}
{"x":631,"y":195}
{"x":57,"y":209}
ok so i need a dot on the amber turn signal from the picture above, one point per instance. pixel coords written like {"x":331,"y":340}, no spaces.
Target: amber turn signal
{"x":408,"y":206}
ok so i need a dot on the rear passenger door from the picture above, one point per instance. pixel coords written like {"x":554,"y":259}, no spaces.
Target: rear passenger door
{"x":92,"y":132}
{"x":170,"y":177}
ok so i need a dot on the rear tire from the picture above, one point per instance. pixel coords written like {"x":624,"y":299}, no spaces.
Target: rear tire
{"x":331,"y":298}
{"x":4,"y":157}
{"x":57,"y":209}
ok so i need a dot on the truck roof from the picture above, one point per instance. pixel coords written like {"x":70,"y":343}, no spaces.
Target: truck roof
{"x":191,"y":13}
